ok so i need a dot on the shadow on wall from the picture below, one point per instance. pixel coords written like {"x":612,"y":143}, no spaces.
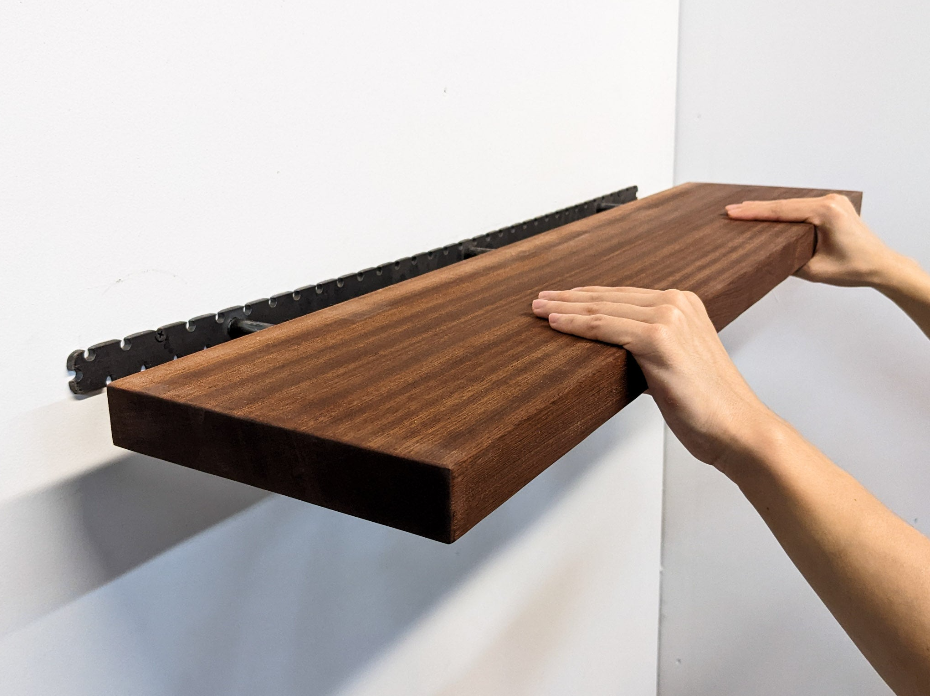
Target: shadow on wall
{"x":283,"y":595}
{"x":68,"y":539}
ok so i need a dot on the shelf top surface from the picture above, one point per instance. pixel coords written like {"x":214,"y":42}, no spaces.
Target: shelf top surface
{"x":437,"y":368}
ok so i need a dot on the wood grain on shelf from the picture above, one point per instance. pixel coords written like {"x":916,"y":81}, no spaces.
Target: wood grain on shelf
{"x":426,"y":405}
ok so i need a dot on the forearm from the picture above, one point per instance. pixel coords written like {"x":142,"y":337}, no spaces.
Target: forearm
{"x":870,"y":568}
{"x":906,"y":284}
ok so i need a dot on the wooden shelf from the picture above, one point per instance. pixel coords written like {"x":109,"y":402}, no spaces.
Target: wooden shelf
{"x":426,"y":405}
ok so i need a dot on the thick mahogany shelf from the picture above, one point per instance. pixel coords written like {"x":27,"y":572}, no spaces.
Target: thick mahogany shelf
{"x":426,"y":405}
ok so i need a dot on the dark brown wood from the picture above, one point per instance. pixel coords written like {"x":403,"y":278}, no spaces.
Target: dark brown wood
{"x":426,"y":405}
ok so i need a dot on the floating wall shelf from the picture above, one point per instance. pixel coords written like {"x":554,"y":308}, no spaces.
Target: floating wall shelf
{"x":427,"y":404}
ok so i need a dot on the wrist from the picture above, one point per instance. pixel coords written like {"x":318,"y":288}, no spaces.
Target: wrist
{"x":758,"y":449}
{"x":894,"y":272}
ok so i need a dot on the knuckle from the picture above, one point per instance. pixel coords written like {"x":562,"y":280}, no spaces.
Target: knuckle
{"x":676,"y":298}
{"x":834,"y":204}
{"x":693,"y":298}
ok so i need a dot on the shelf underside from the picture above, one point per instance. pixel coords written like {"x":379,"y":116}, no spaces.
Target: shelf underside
{"x":427,"y":404}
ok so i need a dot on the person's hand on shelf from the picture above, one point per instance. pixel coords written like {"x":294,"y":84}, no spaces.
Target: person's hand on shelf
{"x":848,"y":253}
{"x":870,"y":568}
{"x":703,"y":397}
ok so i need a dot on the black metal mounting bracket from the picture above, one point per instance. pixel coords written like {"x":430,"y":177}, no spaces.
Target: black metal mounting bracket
{"x":96,"y":366}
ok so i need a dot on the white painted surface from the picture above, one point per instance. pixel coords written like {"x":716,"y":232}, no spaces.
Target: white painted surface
{"x":158,"y":163}
{"x":823,"y":94}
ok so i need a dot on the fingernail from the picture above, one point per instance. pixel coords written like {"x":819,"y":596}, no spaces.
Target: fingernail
{"x":538,"y":303}
{"x":545,"y":294}
{"x":733,"y":206}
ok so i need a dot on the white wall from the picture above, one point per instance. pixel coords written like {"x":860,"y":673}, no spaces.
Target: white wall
{"x":810,"y":93}
{"x":161,"y":162}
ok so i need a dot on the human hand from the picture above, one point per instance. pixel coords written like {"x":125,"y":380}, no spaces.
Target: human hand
{"x":703,"y":397}
{"x":848,"y":253}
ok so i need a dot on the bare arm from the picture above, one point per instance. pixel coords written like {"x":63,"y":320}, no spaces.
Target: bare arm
{"x":848,"y":252}
{"x":906,"y":284}
{"x":869,"y":567}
